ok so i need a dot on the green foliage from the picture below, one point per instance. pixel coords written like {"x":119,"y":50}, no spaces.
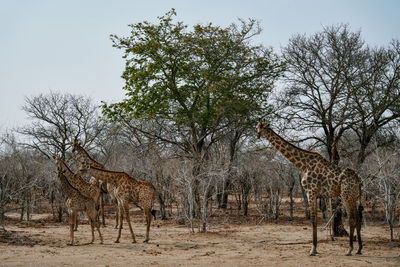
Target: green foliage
{"x":193,"y":78}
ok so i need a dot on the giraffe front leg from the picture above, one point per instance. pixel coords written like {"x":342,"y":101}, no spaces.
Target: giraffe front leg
{"x":76,"y":223}
{"x":72,"y":220}
{"x":100,"y":236}
{"x":102,"y":209}
{"x":92,"y":230}
{"x":116,"y":217}
{"x":313,"y":203}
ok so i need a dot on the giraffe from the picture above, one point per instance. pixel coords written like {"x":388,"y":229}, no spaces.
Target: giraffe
{"x":127,"y":189}
{"x":83,"y":156}
{"x":87,"y":189}
{"x":321,"y":179}
{"x":77,"y":202}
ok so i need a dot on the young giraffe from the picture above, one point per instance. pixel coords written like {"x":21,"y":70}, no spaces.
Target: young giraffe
{"x":83,"y":156}
{"x":77,"y":202}
{"x":127,"y":189}
{"x":87,"y":189}
{"x":321,"y":179}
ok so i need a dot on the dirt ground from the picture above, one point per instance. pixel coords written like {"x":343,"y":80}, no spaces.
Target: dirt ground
{"x":44,"y":243}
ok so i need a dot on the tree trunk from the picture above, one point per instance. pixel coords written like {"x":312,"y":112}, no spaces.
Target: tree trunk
{"x":277,"y":204}
{"x":22,"y":212}
{"x":60,"y":209}
{"x":163,"y":213}
{"x":204,"y":215}
{"x":322,"y":206}
{"x":239,"y":201}
{"x":225,"y":194}
{"x":245,"y":206}
{"x":338,"y":229}
{"x":373,"y":209}
{"x":337,"y":223}
{"x":28,"y":206}
{"x":1,"y":216}
{"x":291,"y":203}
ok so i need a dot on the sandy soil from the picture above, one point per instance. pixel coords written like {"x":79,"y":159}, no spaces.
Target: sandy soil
{"x":44,"y":243}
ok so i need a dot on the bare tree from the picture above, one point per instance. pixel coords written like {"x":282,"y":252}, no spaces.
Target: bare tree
{"x":336,"y":83}
{"x":18,"y":178}
{"x":376,"y":95}
{"x":57,"y":120}
{"x":384,"y":184}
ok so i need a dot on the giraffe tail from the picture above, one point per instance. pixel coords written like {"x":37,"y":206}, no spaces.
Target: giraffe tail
{"x":360,"y":206}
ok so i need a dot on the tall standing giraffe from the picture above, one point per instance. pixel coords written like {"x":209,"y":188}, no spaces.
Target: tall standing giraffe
{"x":77,"y":202}
{"x":83,"y":156}
{"x":321,"y":179}
{"x":127,"y":189}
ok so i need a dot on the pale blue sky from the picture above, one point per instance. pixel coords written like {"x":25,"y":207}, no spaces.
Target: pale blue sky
{"x":64,"y":45}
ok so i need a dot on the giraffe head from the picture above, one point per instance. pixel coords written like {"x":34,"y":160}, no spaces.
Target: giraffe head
{"x":58,"y":163}
{"x":83,"y":169}
{"x":61,"y":166}
{"x":74,"y":145}
{"x":261,"y":125}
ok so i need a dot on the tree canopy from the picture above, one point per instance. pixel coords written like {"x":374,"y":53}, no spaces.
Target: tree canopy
{"x":195,"y":81}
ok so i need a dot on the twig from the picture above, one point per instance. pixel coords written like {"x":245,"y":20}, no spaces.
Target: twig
{"x":333,"y":214}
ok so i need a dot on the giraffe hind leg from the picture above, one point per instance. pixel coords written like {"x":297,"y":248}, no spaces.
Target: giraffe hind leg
{"x":148,"y":214}
{"x":353,"y":223}
{"x":121,"y":219}
{"x":358,"y":228}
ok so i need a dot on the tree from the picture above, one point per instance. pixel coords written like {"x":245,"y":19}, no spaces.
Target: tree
{"x":184,"y":88}
{"x":318,"y":98}
{"x":193,"y":81}
{"x":319,"y":68}
{"x":384,"y":185}
{"x":376,"y":95}
{"x":58,"y":120}
{"x":18,"y":177}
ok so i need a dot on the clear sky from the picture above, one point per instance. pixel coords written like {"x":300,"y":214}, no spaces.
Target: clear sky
{"x":64,"y":46}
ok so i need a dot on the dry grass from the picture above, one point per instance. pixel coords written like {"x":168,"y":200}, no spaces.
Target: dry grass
{"x":232,"y":240}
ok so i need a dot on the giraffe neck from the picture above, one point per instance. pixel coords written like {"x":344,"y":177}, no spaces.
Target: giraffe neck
{"x":85,"y":157}
{"x":69,"y":190}
{"x":301,"y":158}
{"x":111,"y":177}
{"x":79,"y":183}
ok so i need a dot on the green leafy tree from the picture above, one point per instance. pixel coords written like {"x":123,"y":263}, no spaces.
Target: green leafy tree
{"x":187,"y":88}
{"x":191,"y":85}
